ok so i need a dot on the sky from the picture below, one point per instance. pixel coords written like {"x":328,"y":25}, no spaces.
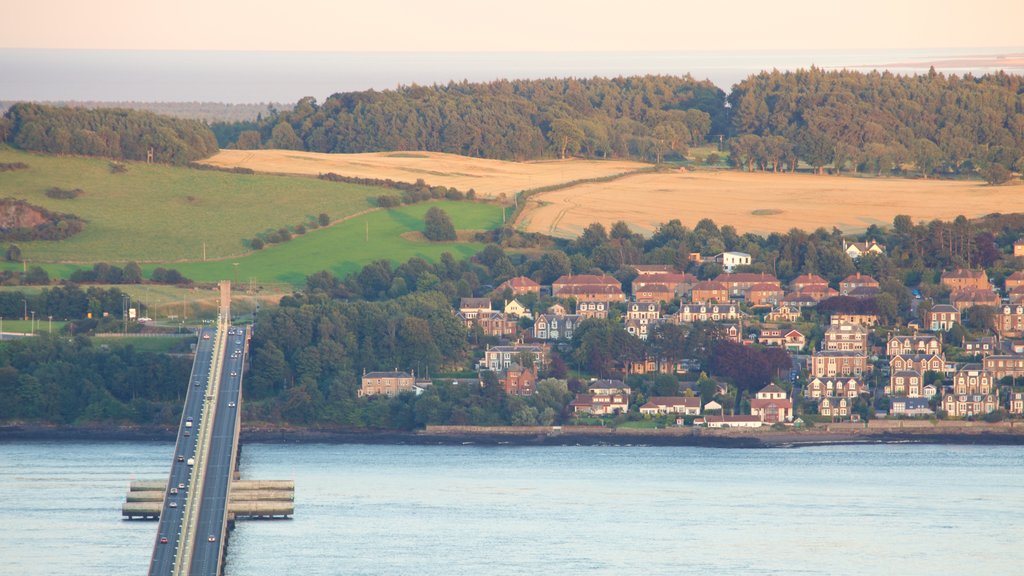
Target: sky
{"x":511,"y":25}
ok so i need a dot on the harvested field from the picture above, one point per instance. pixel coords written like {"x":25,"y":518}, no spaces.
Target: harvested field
{"x":761,"y":202}
{"x":490,"y":178}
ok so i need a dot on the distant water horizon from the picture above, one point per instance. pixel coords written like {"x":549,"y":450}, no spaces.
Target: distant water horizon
{"x":285,"y":77}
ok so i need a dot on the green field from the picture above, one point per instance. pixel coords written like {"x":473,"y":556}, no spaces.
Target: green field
{"x":158,"y":213}
{"x":344,"y":247}
{"x":161,"y":215}
{"x":42,"y":325}
{"x":160,"y":344}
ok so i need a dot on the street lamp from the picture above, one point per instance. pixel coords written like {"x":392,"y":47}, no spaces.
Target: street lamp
{"x":25,"y":304}
{"x":33,"y":325}
{"x":50,"y":326}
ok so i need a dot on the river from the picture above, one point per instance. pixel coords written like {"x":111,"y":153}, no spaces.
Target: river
{"x":468,"y":510}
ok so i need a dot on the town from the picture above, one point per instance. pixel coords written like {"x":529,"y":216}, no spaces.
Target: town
{"x":843,"y":363}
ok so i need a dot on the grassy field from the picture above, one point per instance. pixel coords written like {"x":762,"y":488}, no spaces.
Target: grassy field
{"x":490,"y":178}
{"x":347,"y":246}
{"x":159,"y":344}
{"x":761,"y":202}
{"x":157,"y":213}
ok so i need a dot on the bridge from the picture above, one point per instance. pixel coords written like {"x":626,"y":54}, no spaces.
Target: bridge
{"x":202,"y":496}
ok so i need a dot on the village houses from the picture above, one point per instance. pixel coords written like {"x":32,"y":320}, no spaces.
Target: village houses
{"x":388,"y":384}
{"x":658,"y":405}
{"x":772,"y":405}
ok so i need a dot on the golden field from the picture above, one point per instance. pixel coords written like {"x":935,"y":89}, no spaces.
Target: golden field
{"x":490,"y":178}
{"x":761,"y":202}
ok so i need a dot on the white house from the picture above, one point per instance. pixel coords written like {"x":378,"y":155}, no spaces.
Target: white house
{"x":730,"y":260}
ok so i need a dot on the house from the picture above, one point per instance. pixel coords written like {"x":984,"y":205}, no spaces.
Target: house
{"x":1015,"y":295}
{"x":603,"y":397}
{"x":707,"y":312}
{"x":963,"y":278}
{"x":848,"y":318}
{"x":798,"y":301}
{"x":854,"y":281}
{"x":764,"y":294}
{"x":857,"y":249}
{"x":918,"y":362}
{"x":732,"y":260}
{"x":903,"y":406}
{"x":930,"y":390}
{"x":907,"y":383}
{"x":515,"y":309}
{"x":608,"y":386}
{"x":835,"y":387}
{"x":973,"y":379}
{"x":686,"y":405}
{"x":1015,"y":280}
{"x":981,"y":346}
{"x":471,"y":308}
{"x":600,"y":404}
{"x":654,"y":365}
{"x":1017,"y":399}
{"x":518,"y":286}
{"x":652,"y":292}
{"x":661,"y":283}
{"x":708,"y":291}
{"x":845,"y":337}
{"x":727,"y":421}
{"x":842,"y":363}
{"x":388,"y":384}
{"x":864,"y":292}
{"x":494,"y":323}
{"x":808,"y":281}
{"x":653,"y":269}
{"x":556,"y":327}
{"x":968,"y":405}
{"x":817,"y":292}
{"x":518,"y":380}
{"x":941,"y":317}
{"x":1018,"y":248}
{"x":783,"y":313}
{"x":594,"y":309}
{"x":640,"y":327}
{"x":588,"y":288}
{"x":836,"y":408}
{"x":643,"y":311}
{"x":740,"y":283}
{"x":792,"y":340}
{"x":498,"y":358}
{"x":772,"y":405}
{"x":970,"y":297}
{"x":1009,"y":320}
{"x":916,"y":344}
{"x":1003,"y":365}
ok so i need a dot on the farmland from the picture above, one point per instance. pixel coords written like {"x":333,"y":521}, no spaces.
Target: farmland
{"x":761,"y":202}
{"x":489,"y":178}
{"x":158,"y":213}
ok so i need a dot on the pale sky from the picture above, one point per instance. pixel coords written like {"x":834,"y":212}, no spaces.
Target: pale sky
{"x":510,"y":25}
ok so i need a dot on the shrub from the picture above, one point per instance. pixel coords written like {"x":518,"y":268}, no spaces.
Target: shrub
{"x":63,"y":193}
{"x":256,"y":244}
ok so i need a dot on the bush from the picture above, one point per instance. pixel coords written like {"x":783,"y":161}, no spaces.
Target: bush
{"x":388,"y":201}
{"x":324,"y":219}
{"x":118,"y":167}
{"x":256,"y":244}
{"x":438,"y":226}
{"x":12,"y":166}
{"x":63,"y":193}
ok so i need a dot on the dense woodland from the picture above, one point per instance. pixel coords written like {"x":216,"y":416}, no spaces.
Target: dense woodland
{"x":875,"y":122}
{"x":108,"y":132}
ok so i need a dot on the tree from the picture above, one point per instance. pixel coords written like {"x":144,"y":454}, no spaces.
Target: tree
{"x":927,"y":156}
{"x":132,"y":273}
{"x":248,"y":140}
{"x":283,"y":137}
{"x":565,"y":136}
{"x":437,"y":226}
{"x":13,"y":253}
{"x":996,"y":174}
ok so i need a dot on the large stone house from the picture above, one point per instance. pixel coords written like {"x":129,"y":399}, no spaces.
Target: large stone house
{"x":902,"y":406}
{"x":498,"y":358}
{"x":740,"y":283}
{"x":708,"y":291}
{"x":837,"y":408}
{"x":968,"y":405}
{"x":388,"y":384}
{"x":908,"y":383}
{"x":518,"y":380}
{"x":1003,"y":365}
{"x":916,"y":344}
{"x":845,"y":337}
{"x":1009,"y":320}
{"x":707,"y":312}
{"x":595,"y":309}
{"x":518,"y":286}
{"x":556,"y":326}
{"x":941,"y":317}
{"x":963,"y":278}
{"x":838,"y":363}
{"x":732,"y":260}
{"x":971,"y":297}
{"x":855,"y":281}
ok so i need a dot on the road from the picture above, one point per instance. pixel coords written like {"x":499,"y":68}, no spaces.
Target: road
{"x":210,"y":528}
{"x":162,"y":561}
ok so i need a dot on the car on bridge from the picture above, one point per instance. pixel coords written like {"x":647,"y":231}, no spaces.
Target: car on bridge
{"x":212,"y":538}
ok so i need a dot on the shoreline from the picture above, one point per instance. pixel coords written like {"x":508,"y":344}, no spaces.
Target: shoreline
{"x":547,"y":436}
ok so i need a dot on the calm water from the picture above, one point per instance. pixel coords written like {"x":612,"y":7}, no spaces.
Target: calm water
{"x":465,"y":510}
{"x":181,"y":76}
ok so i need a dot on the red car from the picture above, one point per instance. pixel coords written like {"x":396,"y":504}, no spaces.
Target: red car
{"x":163,"y":539}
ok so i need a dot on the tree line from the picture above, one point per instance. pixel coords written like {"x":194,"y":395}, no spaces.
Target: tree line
{"x":108,"y":132}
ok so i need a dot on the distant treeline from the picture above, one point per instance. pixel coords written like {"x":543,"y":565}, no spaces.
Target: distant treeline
{"x":411,"y":193}
{"x":639,"y":116}
{"x":852,"y":121}
{"x":874,"y":122}
{"x":109,"y":132}
{"x":205,"y":111}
